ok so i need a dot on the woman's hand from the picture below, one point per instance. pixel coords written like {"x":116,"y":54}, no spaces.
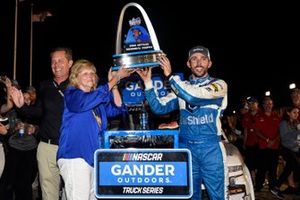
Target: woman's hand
{"x":125,"y":72}
{"x":114,"y":77}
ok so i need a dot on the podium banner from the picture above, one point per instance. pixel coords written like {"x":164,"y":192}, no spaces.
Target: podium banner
{"x":143,"y":173}
{"x":133,"y":91}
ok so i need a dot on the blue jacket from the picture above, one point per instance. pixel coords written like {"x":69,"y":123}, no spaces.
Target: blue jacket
{"x":200,"y":101}
{"x":289,"y":135}
{"x":80,"y":132}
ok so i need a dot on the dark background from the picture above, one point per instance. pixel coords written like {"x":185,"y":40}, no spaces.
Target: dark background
{"x":254,"y":47}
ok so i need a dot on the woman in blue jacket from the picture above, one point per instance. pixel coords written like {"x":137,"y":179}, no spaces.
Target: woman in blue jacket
{"x":87,"y":108}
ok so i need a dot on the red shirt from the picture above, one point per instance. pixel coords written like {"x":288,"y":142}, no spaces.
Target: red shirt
{"x":268,"y":126}
{"x":248,"y":123}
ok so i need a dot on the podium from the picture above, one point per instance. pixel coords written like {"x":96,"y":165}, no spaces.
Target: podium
{"x":141,"y":139}
{"x":142,"y":164}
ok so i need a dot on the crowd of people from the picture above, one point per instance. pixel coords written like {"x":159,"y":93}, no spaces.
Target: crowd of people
{"x":269,"y":140}
{"x":54,"y":131}
{"x":35,"y":124}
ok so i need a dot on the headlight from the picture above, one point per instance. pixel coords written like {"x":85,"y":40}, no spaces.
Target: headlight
{"x":235,"y":168}
{"x":236,"y":189}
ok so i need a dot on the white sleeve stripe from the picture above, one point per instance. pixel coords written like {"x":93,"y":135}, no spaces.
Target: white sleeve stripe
{"x":214,"y":90}
{"x":166,"y":99}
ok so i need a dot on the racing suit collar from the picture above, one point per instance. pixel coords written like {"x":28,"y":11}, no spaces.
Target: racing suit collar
{"x":198,"y":80}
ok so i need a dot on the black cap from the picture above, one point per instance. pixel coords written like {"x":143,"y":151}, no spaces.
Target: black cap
{"x":252,"y":100}
{"x":199,"y":49}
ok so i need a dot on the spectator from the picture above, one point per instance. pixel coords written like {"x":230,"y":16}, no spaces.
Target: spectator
{"x":250,"y":139}
{"x":50,"y":112}
{"x":267,"y":131}
{"x":289,"y":134}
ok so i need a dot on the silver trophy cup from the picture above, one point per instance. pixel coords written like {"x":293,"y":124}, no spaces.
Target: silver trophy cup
{"x":138,"y":47}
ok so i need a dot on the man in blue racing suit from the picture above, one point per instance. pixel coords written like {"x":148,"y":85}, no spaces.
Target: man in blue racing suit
{"x":201,"y":101}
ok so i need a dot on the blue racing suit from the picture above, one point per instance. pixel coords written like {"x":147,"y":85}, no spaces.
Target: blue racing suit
{"x":200,"y":102}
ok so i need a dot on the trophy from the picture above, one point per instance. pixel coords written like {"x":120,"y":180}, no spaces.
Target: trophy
{"x":136,"y":42}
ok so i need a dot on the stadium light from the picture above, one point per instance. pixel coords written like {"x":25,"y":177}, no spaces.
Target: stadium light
{"x":292,"y":86}
{"x":267,"y":93}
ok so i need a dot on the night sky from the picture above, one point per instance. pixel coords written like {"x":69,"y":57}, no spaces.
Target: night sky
{"x":254,"y":47}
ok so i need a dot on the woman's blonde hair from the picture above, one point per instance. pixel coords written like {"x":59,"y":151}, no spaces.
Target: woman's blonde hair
{"x":78,"y":66}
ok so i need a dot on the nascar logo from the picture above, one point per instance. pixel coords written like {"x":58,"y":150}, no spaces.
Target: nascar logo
{"x":142,"y":157}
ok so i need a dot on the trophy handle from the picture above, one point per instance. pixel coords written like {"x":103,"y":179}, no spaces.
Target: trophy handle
{"x":148,"y":24}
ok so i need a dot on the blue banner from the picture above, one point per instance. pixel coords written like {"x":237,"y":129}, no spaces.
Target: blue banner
{"x":143,"y":173}
{"x":133,"y":93}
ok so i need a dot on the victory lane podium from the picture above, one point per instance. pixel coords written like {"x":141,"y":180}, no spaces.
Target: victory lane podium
{"x":140,"y":164}
{"x":132,"y":167}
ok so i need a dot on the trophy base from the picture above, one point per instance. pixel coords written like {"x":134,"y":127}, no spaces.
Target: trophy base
{"x":137,"y":59}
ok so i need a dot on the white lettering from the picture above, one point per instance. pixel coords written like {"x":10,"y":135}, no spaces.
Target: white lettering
{"x":143,"y":190}
{"x":149,"y":170}
{"x":206,"y":119}
{"x":147,"y":156}
{"x":158,"y":84}
{"x":162,"y":93}
{"x":143,"y":170}
{"x":133,"y":94}
{"x":132,"y":190}
{"x":141,"y":180}
{"x":131,"y":86}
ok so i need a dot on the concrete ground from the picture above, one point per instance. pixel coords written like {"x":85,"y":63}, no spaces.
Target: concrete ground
{"x":265,"y":194}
